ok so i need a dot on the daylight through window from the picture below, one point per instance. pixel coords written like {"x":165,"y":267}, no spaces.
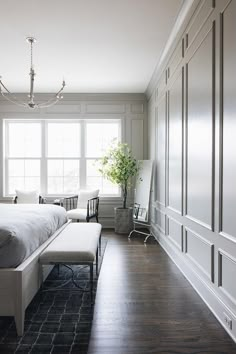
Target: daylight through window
{"x":57,"y":157}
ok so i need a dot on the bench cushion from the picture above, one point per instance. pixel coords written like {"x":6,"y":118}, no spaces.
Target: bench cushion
{"x":78,"y":242}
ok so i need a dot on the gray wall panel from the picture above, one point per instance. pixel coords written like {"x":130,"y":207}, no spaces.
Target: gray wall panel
{"x":200,"y":133}
{"x":229,"y":121}
{"x":175,"y":233}
{"x":175,"y":144}
{"x":160,"y":220}
{"x":137,"y":137}
{"x":205,"y":232}
{"x":161,"y":150}
{"x":201,"y":253}
{"x":227,"y":265}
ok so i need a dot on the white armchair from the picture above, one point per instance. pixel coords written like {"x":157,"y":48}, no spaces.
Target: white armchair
{"x":82,"y":207}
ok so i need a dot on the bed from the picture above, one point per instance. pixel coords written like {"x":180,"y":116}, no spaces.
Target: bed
{"x":25,"y":231}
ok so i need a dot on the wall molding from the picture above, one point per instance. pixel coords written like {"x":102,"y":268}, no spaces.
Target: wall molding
{"x":210,"y":245}
{"x":160,"y":228}
{"x":68,"y":97}
{"x":208,"y":166}
{"x":180,"y":246}
{"x":222,"y":254}
{"x":207,"y":30}
{"x":184,"y":15}
{"x":211,"y":298}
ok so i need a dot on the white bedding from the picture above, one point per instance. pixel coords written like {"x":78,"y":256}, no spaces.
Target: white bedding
{"x":24,"y":227}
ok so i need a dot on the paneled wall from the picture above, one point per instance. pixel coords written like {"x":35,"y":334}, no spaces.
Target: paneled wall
{"x":131,"y":109}
{"x":193,"y":113}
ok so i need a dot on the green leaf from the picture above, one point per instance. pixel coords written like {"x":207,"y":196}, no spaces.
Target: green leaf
{"x":118,"y":165}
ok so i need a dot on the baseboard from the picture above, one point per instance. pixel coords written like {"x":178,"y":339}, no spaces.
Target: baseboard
{"x":205,"y":291}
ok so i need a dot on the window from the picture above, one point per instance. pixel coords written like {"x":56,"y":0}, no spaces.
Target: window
{"x":63,"y":176}
{"x":98,"y":139}
{"x":63,"y":157}
{"x":57,"y":157}
{"x":24,"y":155}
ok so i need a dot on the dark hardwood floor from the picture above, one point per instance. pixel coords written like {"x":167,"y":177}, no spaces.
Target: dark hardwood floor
{"x":145,"y":305}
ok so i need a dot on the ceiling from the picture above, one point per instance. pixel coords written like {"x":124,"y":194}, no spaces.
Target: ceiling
{"x":98,"y":46}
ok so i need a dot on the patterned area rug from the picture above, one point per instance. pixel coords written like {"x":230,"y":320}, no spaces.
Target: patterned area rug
{"x":55,"y":321}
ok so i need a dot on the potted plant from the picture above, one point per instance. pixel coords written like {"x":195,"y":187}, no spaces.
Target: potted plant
{"x":119,"y":166}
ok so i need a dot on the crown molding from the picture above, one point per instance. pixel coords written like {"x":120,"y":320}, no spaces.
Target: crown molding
{"x":75,"y":97}
{"x":182,"y":19}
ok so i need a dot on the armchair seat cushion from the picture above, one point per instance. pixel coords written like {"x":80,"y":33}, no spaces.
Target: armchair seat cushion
{"x":77,"y":214}
{"x":82,"y":207}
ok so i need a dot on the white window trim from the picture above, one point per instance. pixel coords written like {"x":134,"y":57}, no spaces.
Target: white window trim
{"x":44,"y":158}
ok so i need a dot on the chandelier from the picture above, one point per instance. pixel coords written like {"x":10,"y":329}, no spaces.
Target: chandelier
{"x":31,"y":103}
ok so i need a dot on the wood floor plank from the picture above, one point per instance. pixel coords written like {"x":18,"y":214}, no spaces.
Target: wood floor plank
{"x":145,"y":305}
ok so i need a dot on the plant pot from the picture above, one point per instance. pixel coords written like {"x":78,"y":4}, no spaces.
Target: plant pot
{"x":123,"y":220}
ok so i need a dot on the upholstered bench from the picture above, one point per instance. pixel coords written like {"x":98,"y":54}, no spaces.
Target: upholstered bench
{"x":77,"y":244}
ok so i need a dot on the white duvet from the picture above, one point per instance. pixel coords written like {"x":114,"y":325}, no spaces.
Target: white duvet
{"x":24,"y":227}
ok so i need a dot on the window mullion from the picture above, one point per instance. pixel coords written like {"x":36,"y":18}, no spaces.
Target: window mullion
{"x":6,"y":163}
{"x":43,"y":165}
{"x":83,"y":158}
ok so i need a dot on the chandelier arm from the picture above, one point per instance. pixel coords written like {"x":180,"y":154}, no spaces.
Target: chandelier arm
{"x":48,"y":103}
{"x":1,"y":83}
{"x":61,"y":89}
{"x":54,"y":99}
{"x":15,"y":101}
{"x":14,"y":98}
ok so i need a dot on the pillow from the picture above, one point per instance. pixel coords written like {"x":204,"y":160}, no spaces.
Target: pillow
{"x":27,"y":197}
{"x":84,"y":196}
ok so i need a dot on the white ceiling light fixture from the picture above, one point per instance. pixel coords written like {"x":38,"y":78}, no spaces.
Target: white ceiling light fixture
{"x":31,"y":104}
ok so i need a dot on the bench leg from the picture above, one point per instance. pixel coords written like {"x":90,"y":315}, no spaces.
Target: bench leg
{"x":19,"y":321}
{"x":91,"y":282}
{"x":100,"y":241}
{"x":97,"y":262}
{"x":58,"y":268}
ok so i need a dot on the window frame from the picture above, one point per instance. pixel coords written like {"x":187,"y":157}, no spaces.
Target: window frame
{"x":6,"y":156}
{"x":44,"y":152}
{"x":95,"y":121}
{"x":44,"y":185}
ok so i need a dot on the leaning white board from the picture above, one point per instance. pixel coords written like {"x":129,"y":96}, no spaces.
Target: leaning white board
{"x":143,"y":185}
